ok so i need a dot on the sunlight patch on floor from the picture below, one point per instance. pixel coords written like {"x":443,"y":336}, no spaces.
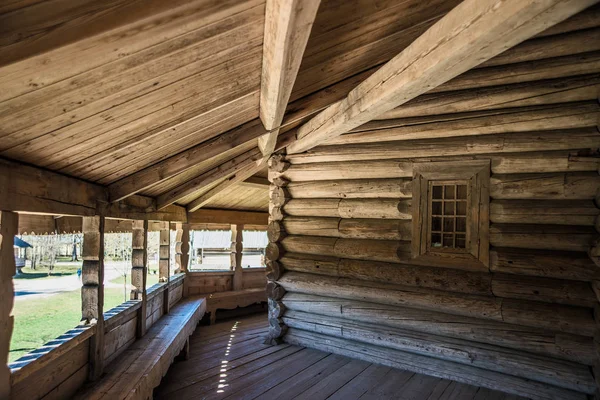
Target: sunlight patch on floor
{"x":223,"y":381}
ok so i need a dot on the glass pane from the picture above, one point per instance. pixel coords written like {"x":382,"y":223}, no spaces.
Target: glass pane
{"x":448,"y":224}
{"x":436,"y":240}
{"x":448,"y":208}
{"x":461,"y":192}
{"x":436,"y":224}
{"x":436,"y":192}
{"x":461,"y":224}
{"x":449,"y":192}
{"x":460,"y":241}
{"x":461,"y":208}
{"x":436,"y":208}
{"x":448,"y":240}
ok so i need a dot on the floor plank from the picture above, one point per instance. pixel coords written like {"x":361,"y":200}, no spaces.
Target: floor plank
{"x":229,"y":360}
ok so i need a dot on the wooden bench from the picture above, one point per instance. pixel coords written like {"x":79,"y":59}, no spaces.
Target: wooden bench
{"x":233,"y":299}
{"x":136,"y":372}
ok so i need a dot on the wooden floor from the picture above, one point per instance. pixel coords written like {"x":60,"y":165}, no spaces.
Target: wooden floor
{"x":229,"y":360}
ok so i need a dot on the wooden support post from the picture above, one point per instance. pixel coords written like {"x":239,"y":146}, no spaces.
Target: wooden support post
{"x":183,"y":253}
{"x":164,"y":262}
{"x":139,"y":241}
{"x":237,"y":247}
{"x":182,"y":247}
{"x":9,"y":222}
{"x":92,"y":291}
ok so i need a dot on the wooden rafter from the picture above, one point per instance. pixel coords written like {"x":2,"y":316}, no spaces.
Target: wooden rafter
{"x":239,"y":176}
{"x":287,"y":27}
{"x":470,"y":34}
{"x":224,"y":170}
{"x":217,"y":216}
{"x":185,"y":160}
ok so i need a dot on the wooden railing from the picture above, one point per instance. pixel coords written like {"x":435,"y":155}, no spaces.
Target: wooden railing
{"x":60,"y":367}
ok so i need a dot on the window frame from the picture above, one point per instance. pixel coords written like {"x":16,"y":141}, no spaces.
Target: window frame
{"x":476,"y":175}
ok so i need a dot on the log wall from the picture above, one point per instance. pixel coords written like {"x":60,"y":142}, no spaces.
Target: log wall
{"x":341,"y":273}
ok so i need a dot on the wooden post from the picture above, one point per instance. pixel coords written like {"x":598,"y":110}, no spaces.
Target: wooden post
{"x":182,"y":247}
{"x":92,"y":291}
{"x":237,"y":247}
{"x":139,"y":257}
{"x":9,"y":222}
{"x":164,"y":262}
{"x":182,"y":252}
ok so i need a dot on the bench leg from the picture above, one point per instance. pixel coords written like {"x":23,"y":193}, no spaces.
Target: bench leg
{"x":213,"y":317}
{"x":185,"y":352}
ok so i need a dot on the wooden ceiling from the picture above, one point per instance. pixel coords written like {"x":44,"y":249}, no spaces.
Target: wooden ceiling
{"x":146,"y":96}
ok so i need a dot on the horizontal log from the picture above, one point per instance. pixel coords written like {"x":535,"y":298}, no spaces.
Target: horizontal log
{"x":562,"y":318}
{"x":350,"y":208}
{"x":360,"y":249}
{"x":543,"y":162}
{"x":401,"y":274}
{"x":523,"y":119}
{"x":376,"y":169}
{"x":547,"y":290}
{"x":501,"y":285}
{"x":554,"y":186}
{"x":564,"y":90}
{"x":560,"y":345}
{"x":385,"y":229}
{"x":352,"y":189}
{"x":550,"y":68}
{"x":430,"y":366}
{"x":565,"y":374}
{"x":276,"y":231}
{"x":274,"y":270}
{"x":543,"y":237}
{"x":550,"y":212}
{"x":278,"y":196}
{"x":573,"y":139}
{"x":542,"y":263}
{"x":379,"y":169}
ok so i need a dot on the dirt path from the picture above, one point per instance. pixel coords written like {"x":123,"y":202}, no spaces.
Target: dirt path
{"x":28,"y":288}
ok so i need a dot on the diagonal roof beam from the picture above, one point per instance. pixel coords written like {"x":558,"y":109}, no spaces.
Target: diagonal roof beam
{"x":287,"y":27}
{"x":224,"y":170}
{"x":185,"y":160}
{"x":471,"y":33}
{"x":239,"y":176}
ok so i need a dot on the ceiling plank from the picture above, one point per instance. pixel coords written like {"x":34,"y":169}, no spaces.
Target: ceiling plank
{"x":224,"y":170}
{"x":470,"y":34}
{"x":287,"y":27}
{"x":239,"y":176}
{"x":181,"y":162}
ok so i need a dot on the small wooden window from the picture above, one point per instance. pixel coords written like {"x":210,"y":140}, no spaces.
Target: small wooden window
{"x":451,"y":213}
{"x":447,"y":215}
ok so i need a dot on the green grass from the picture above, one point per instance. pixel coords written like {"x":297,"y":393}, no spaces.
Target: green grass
{"x":61,"y":268}
{"x":42,"y":318}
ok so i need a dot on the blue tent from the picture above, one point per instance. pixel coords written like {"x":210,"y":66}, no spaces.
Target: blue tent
{"x":21,"y":243}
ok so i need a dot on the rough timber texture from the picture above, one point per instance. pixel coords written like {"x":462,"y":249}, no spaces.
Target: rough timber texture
{"x":342,"y":277}
{"x":9,"y":222}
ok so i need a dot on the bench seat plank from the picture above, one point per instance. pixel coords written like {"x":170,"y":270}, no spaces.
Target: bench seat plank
{"x":136,"y":372}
